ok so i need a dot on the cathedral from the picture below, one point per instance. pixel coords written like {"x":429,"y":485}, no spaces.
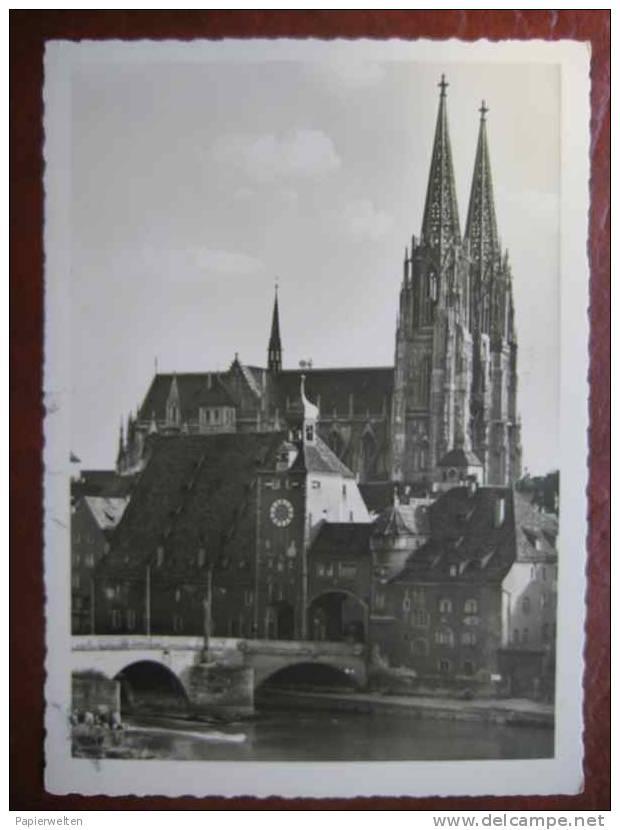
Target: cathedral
{"x":444,"y":412}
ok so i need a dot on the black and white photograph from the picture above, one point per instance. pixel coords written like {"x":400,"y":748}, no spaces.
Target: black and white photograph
{"x":316,"y":353}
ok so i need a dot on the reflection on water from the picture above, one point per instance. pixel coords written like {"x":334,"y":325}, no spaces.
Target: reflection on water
{"x":284,"y":735}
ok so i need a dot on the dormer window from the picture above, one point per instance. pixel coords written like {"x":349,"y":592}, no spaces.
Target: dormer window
{"x":309,"y":433}
{"x":173,"y":413}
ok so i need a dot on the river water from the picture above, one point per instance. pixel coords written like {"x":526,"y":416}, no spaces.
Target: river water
{"x":315,"y":735}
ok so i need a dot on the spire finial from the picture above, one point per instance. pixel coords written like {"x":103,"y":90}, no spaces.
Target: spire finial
{"x":274,"y":349}
{"x":483,"y":110}
{"x":443,"y":85}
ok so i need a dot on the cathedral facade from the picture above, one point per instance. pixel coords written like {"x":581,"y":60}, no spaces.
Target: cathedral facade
{"x":446,"y":409}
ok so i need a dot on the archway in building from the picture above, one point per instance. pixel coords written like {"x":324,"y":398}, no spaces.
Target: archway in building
{"x":280,"y":621}
{"x":147,"y":686}
{"x":337,"y":616}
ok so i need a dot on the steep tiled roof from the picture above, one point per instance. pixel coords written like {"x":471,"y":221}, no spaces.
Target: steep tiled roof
{"x":466,"y":543}
{"x":342,"y":539}
{"x":536,"y":530}
{"x":332,"y":389}
{"x":195,"y":492}
{"x":318,"y":458}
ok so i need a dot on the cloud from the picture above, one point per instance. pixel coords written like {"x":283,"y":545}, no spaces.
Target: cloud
{"x":364,"y":221}
{"x":226,"y":262}
{"x":271,"y":157}
{"x":188,"y":265}
{"x":352,"y":73}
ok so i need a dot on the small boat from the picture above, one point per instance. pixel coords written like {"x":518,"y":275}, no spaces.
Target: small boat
{"x":213,"y":735}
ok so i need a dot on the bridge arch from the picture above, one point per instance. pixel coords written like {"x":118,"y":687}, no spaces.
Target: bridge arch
{"x":338,"y":614}
{"x":310,"y":674}
{"x":150,"y":684}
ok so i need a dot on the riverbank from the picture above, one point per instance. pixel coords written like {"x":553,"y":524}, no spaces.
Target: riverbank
{"x":511,"y":711}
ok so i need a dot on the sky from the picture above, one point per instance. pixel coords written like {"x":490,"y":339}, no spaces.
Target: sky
{"x":196,"y":186}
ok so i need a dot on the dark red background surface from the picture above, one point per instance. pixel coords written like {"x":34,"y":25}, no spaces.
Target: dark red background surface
{"x":28,"y":32}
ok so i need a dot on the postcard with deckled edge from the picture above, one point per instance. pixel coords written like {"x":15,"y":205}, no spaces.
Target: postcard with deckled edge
{"x":316,"y":387}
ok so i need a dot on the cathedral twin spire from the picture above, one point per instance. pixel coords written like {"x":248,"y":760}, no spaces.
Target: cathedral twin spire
{"x":440,"y":224}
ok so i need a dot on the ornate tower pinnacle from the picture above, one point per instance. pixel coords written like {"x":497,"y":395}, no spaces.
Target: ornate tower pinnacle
{"x":274,"y":352}
{"x":481,"y":227}
{"x":440,"y":225}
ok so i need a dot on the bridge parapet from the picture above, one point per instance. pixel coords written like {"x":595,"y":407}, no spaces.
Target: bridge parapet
{"x":217,"y":645}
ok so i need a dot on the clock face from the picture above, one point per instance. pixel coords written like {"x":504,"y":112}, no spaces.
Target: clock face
{"x":281,"y":512}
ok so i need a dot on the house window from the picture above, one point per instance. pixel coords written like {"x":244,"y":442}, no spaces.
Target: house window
{"x":544,"y":574}
{"x":525,"y":605}
{"x":444,"y":666}
{"x":316,"y":485}
{"x":445,"y":606}
{"x":379,"y":600}
{"x":248,"y":598}
{"x":310,"y":433}
{"x":75,"y":582}
{"x":131,"y":619}
{"x":348,"y":570}
{"x":444,"y":637}
{"x":468,"y":638}
{"x":160,"y":556}
{"x":471,"y":606}
{"x":115,"y":619}
{"x":177,"y":623}
{"x":468,"y":668}
{"x":420,"y":619}
{"x":454,"y":570}
{"x":177,"y":595}
{"x":201,"y":557}
{"x":320,"y":569}
{"x":406,"y":603}
{"x":515,"y":636}
{"x":344,"y":489}
{"x":526,"y":635}
{"x":419,"y":647}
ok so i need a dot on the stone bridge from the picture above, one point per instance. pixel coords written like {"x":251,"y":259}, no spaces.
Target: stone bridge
{"x":227,"y":677}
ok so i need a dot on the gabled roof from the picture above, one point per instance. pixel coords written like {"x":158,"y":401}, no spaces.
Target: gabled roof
{"x":333,"y":390}
{"x":318,"y":458}
{"x":465,"y":538}
{"x":404,"y":519}
{"x":536,"y":531}
{"x":104,"y":483}
{"x":340,"y":539}
{"x":107,"y":512}
{"x":460,"y":458}
{"x":195,"y":492}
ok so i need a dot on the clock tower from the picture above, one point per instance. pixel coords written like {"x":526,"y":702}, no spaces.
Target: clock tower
{"x":301,"y":488}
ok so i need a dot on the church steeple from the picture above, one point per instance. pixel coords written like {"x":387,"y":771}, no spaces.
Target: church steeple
{"x":274,"y":352}
{"x":440,"y":225}
{"x":481,"y":227}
